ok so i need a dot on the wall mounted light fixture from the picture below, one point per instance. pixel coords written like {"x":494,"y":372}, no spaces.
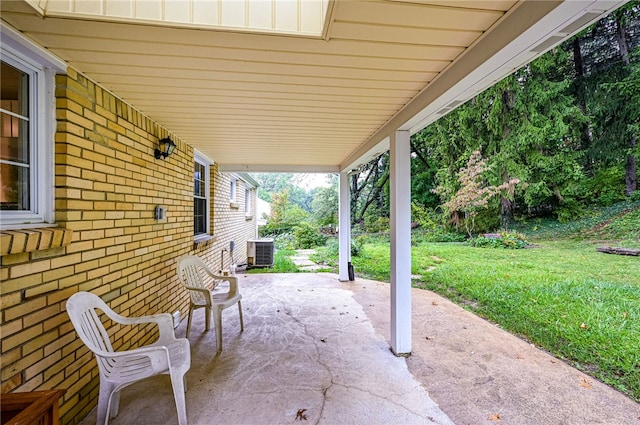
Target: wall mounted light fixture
{"x":166,"y":148}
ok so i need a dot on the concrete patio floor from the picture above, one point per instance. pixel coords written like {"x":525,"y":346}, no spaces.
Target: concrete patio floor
{"x":315,"y":351}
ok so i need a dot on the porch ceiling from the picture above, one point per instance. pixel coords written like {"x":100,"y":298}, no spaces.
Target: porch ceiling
{"x":256,"y":101}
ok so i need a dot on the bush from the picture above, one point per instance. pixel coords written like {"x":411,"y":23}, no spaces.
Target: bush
{"x":307,"y":236}
{"x":284,"y":241}
{"x":427,"y":218}
{"x":436,"y":235}
{"x":376,"y":224}
{"x":509,"y":240}
{"x":332,"y":247}
{"x":607,"y":186}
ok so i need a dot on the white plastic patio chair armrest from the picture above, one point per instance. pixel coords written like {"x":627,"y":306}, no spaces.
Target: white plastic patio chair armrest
{"x":233,"y":283}
{"x":206,"y":292}
{"x":158,"y":355}
{"x":163,"y":320}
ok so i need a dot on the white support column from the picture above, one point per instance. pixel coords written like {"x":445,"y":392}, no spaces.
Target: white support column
{"x":400,"y":189}
{"x":344,"y":229}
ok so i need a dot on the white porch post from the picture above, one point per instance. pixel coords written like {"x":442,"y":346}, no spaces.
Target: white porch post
{"x":400,"y":189}
{"x":344,"y":230}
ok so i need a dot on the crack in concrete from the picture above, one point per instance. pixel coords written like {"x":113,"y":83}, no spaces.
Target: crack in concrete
{"x":314,"y":338}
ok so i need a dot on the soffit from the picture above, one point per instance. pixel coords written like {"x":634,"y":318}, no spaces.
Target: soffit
{"x":261,"y":101}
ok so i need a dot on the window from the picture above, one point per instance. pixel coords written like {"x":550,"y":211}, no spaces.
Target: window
{"x":201,"y":195}
{"x":16,"y":169}
{"x":247,"y":201}
{"x":232,"y":190}
{"x":27,"y":110}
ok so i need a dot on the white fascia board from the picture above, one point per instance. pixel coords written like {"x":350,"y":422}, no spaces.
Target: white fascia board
{"x":373,"y":152}
{"x":30,"y":50}
{"x":250,"y":181}
{"x":202,"y":158}
{"x":569,"y":18}
{"x":273,"y":168}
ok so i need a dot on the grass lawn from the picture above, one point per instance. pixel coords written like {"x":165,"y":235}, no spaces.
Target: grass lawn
{"x":564,"y":296}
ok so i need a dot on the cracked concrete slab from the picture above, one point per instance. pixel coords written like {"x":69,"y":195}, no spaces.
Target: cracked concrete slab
{"x":309,"y":354}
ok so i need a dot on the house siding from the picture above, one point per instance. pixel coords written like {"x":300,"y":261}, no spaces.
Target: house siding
{"x":107,"y":184}
{"x":230,"y":221}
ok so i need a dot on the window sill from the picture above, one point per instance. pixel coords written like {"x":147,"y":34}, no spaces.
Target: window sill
{"x":28,"y":240}
{"x":234,"y":205}
{"x":201,"y":241}
{"x":248,"y":217}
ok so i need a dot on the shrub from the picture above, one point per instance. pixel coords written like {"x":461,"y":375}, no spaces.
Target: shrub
{"x":509,"y":240}
{"x":308,"y":236}
{"x":436,"y":235}
{"x":332,"y":246}
{"x":376,"y":224}
{"x":284,"y":241}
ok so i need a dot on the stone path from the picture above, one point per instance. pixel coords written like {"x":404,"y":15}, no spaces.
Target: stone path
{"x":302,"y":261}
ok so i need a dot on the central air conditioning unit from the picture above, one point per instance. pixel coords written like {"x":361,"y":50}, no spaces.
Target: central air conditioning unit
{"x":260,"y":252}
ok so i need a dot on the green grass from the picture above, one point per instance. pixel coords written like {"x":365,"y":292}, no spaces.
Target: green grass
{"x":282,"y":263}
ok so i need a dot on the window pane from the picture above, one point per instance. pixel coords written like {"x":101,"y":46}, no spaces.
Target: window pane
{"x":14,"y":187}
{"x":199,"y":180}
{"x":14,"y":139}
{"x":14,"y":143}
{"x":199,"y":215}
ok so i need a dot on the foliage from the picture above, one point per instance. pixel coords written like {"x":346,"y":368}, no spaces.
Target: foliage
{"x":473,"y":194}
{"x":605,"y":186}
{"x":426,"y":217}
{"x":509,"y":240}
{"x":616,"y":224}
{"x":282,"y":263}
{"x":325,"y":205}
{"x":438,"y":234}
{"x":329,"y":253}
{"x":278,"y":183}
{"x":374,"y":223}
{"x":369,"y":189}
{"x":307,"y":236}
{"x":284,"y":215}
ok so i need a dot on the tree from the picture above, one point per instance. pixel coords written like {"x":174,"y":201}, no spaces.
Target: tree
{"x":284,"y":215}
{"x":272,"y":183}
{"x":369,"y":190}
{"x":474,"y":193}
{"x":325,"y":204}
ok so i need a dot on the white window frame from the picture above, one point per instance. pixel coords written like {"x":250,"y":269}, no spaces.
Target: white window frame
{"x":233,"y":189}
{"x":247,"y":200}
{"x":203,"y":160}
{"x":41,"y":68}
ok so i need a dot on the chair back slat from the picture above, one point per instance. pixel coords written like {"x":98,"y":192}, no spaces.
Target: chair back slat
{"x":192,"y":273}
{"x":83,"y":309}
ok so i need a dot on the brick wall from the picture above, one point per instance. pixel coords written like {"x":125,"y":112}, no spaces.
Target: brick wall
{"x":230,"y":221}
{"x":107,"y":184}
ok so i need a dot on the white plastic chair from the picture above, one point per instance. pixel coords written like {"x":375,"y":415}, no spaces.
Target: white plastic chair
{"x":192,"y":272}
{"x":118,"y":369}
